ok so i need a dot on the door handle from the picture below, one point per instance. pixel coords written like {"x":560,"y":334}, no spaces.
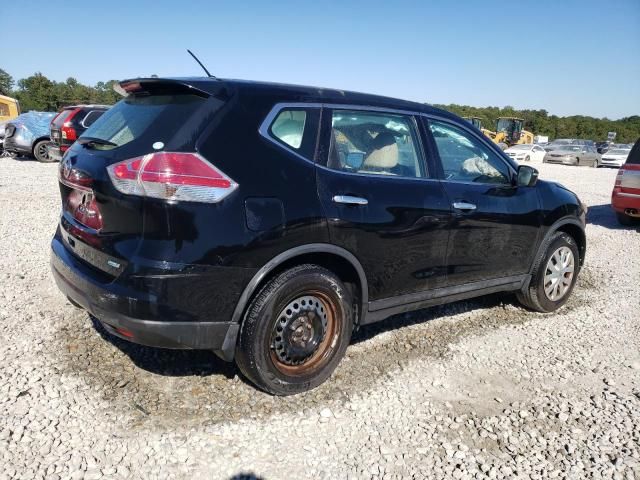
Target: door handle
{"x":463,"y":206}
{"x":350,"y":200}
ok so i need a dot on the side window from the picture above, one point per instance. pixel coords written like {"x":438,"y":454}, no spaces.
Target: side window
{"x":288,"y":127}
{"x":294,"y":128}
{"x":374,"y":143}
{"x":465,"y":159}
{"x":4,"y":109}
{"x":91,"y":117}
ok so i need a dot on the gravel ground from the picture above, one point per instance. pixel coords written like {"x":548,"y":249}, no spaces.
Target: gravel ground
{"x":475,"y":389}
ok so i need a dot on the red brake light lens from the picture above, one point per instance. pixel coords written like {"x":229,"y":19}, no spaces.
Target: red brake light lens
{"x":173,"y":176}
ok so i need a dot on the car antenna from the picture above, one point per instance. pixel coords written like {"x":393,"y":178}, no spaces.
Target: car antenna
{"x":200,"y":63}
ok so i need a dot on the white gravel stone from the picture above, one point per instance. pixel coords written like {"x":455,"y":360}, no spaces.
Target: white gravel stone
{"x":477,"y":389}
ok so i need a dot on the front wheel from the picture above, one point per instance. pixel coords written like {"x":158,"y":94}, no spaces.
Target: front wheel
{"x":554,"y":275}
{"x":296,"y":331}
{"x":40,"y":151}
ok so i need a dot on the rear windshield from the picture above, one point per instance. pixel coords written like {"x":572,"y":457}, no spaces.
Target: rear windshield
{"x":62,"y":116}
{"x":634,"y":156}
{"x":138,"y":116}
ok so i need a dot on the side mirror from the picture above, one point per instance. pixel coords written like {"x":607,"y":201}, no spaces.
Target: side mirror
{"x":527,"y":176}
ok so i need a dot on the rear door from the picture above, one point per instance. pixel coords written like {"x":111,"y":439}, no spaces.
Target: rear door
{"x":381,"y":200}
{"x":495,"y":224}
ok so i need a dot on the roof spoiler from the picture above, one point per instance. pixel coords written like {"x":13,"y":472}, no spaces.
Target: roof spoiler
{"x":153,"y":85}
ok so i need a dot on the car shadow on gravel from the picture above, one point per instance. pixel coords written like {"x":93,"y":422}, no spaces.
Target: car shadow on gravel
{"x":167,"y":362}
{"x":604,"y":216}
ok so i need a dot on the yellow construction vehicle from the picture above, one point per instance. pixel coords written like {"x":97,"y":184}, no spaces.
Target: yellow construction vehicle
{"x":9,"y":108}
{"x":509,"y":132}
{"x":475,"y":121}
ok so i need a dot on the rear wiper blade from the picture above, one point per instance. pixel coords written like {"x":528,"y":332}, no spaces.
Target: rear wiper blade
{"x":95,"y":141}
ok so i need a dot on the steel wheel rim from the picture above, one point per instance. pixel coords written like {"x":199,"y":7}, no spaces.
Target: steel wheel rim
{"x":326,"y":340}
{"x":559,"y":274}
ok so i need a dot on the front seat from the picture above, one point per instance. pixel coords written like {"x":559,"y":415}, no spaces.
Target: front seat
{"x":384,"y":156}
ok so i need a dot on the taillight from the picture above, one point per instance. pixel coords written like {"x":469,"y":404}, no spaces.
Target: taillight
{"x":174,"y":176}
{"x":67,"y":130}
{"x":619,"y":177}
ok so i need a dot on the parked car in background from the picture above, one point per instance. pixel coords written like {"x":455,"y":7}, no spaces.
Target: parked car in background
{"x":528,"y":152}
{"x":541,"y":139}
{"x":615,"y":157}
{"x":69,"y":124}
{"x":579,"y":155}
{"x":625,"y":198}
{"x":602,"y":147}
{"x":28,"y":134}
{"x":2,"y":124}
{"x":558,"y":143}
{"x":174,"y":234}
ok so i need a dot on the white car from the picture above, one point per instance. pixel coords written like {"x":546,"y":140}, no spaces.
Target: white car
{"x":615,"y":157}
{"x":527,"y":152}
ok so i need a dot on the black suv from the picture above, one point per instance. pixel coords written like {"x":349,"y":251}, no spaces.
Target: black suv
{"x":267,"y":222}
{"x":69,"y":124}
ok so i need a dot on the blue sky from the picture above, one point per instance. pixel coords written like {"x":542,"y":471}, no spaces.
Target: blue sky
{"x":569,"y":57}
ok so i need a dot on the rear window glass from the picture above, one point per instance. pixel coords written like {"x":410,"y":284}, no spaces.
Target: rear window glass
{"x":91,"y":117}
{"x":60,"y":119}
{"x":138,"y":115}
{"x":634,"y":156}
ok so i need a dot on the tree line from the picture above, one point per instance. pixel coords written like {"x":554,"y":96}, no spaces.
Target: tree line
{"x":37,"y":92}
{"x":541,"y":123}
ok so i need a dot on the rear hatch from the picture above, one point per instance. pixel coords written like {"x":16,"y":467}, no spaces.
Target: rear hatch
{"x":102,"y":225}
{"x":628,"y":179}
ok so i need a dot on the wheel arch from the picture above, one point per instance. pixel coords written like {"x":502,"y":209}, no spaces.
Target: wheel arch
{"x":570,"y":226}
{"x":340,"y":261}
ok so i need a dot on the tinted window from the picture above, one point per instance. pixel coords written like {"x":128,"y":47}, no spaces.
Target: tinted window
{"x":465,"y":158}
{"x":634,"y":155}
{"x":135,"y":115}
{"x":62,"y":117}
{"x":91,"y":117}
{"x":288,"y":127}
{"x":374,"y":143}
{"x":4,"y":109}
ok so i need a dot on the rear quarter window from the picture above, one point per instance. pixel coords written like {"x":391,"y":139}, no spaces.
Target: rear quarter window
{"x":91,"y":117}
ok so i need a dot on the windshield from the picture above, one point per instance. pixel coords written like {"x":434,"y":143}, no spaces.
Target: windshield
{"x":618,"y":151}
{"x":133,"y":116}
{"x":572,"y":148}
{"x":509,"y":124}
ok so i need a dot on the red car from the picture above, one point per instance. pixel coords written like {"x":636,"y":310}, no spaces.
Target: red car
{"x":625,"y":199}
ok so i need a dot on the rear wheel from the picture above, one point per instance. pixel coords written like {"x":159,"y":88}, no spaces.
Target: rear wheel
{"x":40,"y":151}
{"x":296,"y":331}
{"x":554,"y":275}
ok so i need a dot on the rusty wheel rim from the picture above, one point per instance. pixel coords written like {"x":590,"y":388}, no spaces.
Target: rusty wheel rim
{"x":304,"y":334}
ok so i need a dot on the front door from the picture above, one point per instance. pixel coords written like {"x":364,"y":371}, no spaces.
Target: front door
{"x":495,"y":223}
{"x":381,"y":202}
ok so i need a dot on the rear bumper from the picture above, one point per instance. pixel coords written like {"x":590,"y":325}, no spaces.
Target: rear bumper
{"x":124,"y":311}
{"x":621,"y":201}
{"x":54,"y":152}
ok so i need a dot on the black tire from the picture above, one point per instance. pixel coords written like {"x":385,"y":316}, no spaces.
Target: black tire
{"x":257,"y":357}
{"x":534,"y":296}
{"x":595,"y":164}
{"x":626,"y":220}
{"x":40,"y":151}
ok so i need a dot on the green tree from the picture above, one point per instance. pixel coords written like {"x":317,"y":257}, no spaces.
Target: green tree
{"x":6,"y":83}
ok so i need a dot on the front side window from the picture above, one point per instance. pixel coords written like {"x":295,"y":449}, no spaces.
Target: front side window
{"x":465,"y":159}
{"x":374,"y":143}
